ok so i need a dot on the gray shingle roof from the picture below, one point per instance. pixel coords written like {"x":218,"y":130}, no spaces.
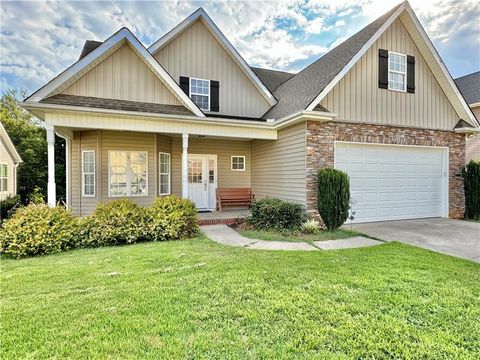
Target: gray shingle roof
{"x":299,"y":91}
{"x":114,"y":104}
{"x":469,"y":86}
{"x":88,"y":47}
{"x":272,"y":79}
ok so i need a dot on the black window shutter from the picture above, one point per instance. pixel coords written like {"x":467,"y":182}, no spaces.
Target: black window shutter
{"x":185,"y":84}
{"x":214,"y":95}
{"x":383,"y":69}
{"x":410,"y":74}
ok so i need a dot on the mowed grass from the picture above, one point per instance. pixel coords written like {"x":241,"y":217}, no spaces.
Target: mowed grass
{"x":197,"y":299}
{"x":272,"y":235}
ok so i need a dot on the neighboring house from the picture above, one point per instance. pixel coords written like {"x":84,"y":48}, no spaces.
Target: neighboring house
{"x":189,"y":115}
{"x":9,"y":160}
{"x":469,"y":86}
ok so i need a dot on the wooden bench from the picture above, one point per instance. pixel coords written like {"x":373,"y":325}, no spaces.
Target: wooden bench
{"x":234,"y":197}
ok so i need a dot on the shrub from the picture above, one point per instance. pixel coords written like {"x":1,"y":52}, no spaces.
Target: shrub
{"x":310,"y":226}
{"x":471,"y":178}
{"x":333,"y":197}
{"x":38,"y":229}
{"x":276,"y":214}
{"x":8,"y":206}
{"x":36,"y":196}
{"x":116,"y":222}
{"x":172,"y":218}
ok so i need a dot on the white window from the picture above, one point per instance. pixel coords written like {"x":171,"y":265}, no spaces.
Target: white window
{"x":164,"y":172}
{"x":3,"y":178}
{"x":200,"y":93}
{"x":88,"y":173}
{"x":397,"y":71}
{"x":238,"y":163}
{"x":127,"y":173}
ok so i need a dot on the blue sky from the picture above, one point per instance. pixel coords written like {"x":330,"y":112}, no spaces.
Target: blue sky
{"x":39,"y":39}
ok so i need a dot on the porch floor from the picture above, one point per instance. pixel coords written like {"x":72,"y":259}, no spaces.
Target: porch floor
{"x":223,"y":217}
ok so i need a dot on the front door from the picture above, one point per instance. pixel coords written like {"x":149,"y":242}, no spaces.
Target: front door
{"x":202,"y":180}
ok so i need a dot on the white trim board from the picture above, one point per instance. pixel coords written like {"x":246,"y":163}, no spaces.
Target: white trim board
{"x":217,"y":33}
{"x":114,"y":42}
{"x":451,"y":90}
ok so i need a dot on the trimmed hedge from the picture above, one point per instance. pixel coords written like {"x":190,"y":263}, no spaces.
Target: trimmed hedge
{"x":333,"y":197}
{"x":172,"y":218}
{"x":277,"y":214}
{"x":37,"y":229}
{"x":471,"y":179}
{"x":117,"y":222}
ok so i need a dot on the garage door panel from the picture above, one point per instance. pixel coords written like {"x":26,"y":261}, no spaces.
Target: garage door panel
{"x":392,"y":182}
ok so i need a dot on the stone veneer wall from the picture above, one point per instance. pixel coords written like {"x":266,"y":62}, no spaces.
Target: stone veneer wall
{"x":320,"y":152}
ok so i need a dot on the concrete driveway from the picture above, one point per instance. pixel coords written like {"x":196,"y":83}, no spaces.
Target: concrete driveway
{"x":453,"y":237}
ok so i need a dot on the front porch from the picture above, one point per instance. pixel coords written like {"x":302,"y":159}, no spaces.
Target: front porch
{"x":104,"y":165}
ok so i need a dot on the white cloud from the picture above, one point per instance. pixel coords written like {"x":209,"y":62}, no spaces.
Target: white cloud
{"x":315,"y":26}
{"x":339,"y":23}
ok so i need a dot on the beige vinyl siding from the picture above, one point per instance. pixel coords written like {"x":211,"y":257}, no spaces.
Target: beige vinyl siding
{"x":278,"y":167}
{"x":5,"y":158}
{"x":473,"y":142}
{"x":85,"y":140}
{"x":224,"y":149}
{"x":123,"y":75}
{"x":358,"y":98}
{"x":158,"y":125}
{"x":196,"y":53}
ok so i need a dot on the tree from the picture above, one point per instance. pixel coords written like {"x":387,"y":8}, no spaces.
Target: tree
{"x":29,"y":137}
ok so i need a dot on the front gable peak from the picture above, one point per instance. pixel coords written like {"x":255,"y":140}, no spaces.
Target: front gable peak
{"x":201,"y":15}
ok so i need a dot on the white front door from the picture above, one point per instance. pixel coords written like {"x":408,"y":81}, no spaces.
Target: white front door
{"x":202,"y":180}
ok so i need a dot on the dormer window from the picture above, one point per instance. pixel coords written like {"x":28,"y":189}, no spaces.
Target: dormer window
{"x":200,"y":93}
{"x":397,"y":71}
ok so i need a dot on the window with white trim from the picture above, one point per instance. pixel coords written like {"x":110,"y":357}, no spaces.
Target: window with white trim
{"x":3,"y":177}
{"x":238,"y":163}
{"x":88,"y":173}
{"x":164,"y":173}
{"x":200,"y":93}
{"x":397,"y":71}
{"x":127,"y":173}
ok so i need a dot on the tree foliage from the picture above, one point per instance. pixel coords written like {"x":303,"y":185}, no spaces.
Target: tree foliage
{"x":29,"y":137}
{"x":471,"y":178}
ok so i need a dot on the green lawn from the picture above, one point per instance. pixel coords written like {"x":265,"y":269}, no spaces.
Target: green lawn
{"x":294,"y":237}
{"x":196,"y":299}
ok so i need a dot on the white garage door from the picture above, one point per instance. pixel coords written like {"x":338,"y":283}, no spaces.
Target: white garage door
{"x":394,"y":182}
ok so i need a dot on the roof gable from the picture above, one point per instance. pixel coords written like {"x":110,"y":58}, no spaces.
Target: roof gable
{"x":109,"y":46}
{"x":9,"y":145}
{"x":201,"y":15}
{"x":305,"y":90}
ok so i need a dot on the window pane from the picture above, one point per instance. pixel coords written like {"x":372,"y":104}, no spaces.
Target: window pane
{"x":201,"y":101}
{"x":3,"y":170}
{"x":164,"y":184}
{"x":211,"y":171}
{"x":4,"y":184}
{"x":118,"y":162}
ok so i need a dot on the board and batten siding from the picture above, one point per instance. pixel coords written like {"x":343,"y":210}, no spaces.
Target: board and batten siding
{"x":224,"y":149}
{"x":358,"y":98}
{"x":124,"y":76}
{"x":196,"y":53}
{"x":6,"y":159}
{"x":278,"y":167}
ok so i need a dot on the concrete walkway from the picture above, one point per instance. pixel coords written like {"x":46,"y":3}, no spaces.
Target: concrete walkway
{"x":225,"y":235}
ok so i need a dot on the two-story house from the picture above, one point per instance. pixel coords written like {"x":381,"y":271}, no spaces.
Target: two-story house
{"x":188,"y":115}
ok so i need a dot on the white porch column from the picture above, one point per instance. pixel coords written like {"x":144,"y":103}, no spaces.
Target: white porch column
{"x":68,"y":144}
{"x":51,"y":190}
{"x":185,"y":166}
